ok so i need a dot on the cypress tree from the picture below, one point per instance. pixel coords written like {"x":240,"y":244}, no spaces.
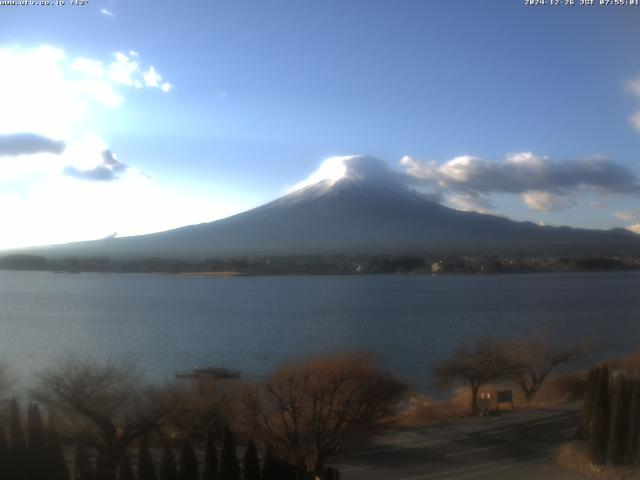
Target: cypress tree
{"x":269,"y":466}
{"x":17,"y":444}
{"x":331,"y":474}
{"x":16,"y":433}
{"x":168,"y":469}
{"x":210,"y":459}
{"x":287,"y":471}
{"x":4,"y":453}
{"x":619,"y":429}
{"x":37,"y":444}
{"x":125,"y":472}
{"x":273,"y":468}
{"x":251,"y":464}
{"x":35,"y":429}
{"x":188,"y":462}
{"x":294,"y":473}
{"x":599,"y":430}
{"x":587,"y":404}
{"x":146,"y":470}
{"x":82,"y":464}
{"x":105,"y":470}
{"x":229,"y":468}
{"x":56,"y":462}
{"x":634,"y":424}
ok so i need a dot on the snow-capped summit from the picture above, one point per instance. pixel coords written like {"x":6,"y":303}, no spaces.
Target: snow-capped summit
{"x":348,"y":178}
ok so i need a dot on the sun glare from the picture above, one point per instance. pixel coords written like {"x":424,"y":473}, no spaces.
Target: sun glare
{"x":47,"y":93}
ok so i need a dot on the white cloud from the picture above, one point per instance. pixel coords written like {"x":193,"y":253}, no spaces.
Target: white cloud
{"x":26,"y":105}
{"x":89,"y":67}
{"x":48,"y":153}
{"x":635,"y":120}
{"x":90,"y":159}
{"x":60,"y":209}
{"x":470,"y":203}
{"x":543,"y":183}
{"x":101,"y":92}
{"x":127,"y":71}
{"x":154,"y":80}
{"x":151,"y":77}
{"x":50,"y":206}
{"x":332,"y":169}
{"x":49,"y":124}
{"x":522,"y":172}
{"x":348,"y":166}
{"x":634,"y":87}
{"x":107,"y":13}
{"x":123,"y":70}
{"x":629,"y":215}
{"x":547,"y":202}
{"x":75,"y":87}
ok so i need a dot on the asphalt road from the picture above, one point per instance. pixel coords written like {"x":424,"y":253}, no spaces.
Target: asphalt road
{"x":518,"y":444}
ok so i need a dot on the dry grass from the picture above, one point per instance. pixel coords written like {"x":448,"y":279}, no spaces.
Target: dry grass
{"x":423,"y":410}
{"x":559,"y":389}
{"x":420,"y":410}
{"x":573,"y":457}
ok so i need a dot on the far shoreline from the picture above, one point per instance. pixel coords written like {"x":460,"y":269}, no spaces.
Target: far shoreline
{"x":209,"y":274}
{"x":232,"y":274}
{"x":335,"y":264}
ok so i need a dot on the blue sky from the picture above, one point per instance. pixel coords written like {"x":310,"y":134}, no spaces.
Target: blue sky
{"x":247,"y":98}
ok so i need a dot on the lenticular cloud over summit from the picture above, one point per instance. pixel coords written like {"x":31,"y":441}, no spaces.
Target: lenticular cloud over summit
{"x":354,"y":167}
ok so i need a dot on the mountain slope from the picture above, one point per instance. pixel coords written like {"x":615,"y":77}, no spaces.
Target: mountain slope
{"x":361,"y":212}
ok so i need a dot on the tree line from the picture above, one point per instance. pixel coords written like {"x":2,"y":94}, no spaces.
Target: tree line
{"x":297,"y":418}
{"x":322,"y":264}
{"x":32,"y":451}
{"x":117,"y":426}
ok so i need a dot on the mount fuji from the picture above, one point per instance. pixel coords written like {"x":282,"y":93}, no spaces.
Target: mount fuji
{"x":362,"y":208}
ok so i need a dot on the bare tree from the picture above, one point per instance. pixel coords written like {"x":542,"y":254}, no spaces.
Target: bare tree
{"x":536,"y":357}
{"x":309,"y":410}
{"x":6,"y":384}
{"x":197,"y":410}
{"x":6,"y":381}
{"x":103,"y":405}
{"x":485,"y":362}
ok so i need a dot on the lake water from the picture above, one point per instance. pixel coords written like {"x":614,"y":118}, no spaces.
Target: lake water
{"x":167,"y":323}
